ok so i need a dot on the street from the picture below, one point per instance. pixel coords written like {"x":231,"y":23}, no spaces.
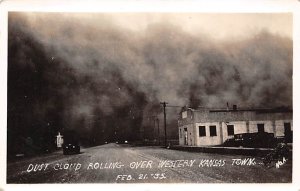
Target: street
{"x":113,"y":163}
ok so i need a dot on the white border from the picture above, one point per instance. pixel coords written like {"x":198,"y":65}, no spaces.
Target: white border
{"x":224,"y":6}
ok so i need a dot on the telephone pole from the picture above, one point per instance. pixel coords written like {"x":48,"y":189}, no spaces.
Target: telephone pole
{"x":154,"y":121}
{"x":164,"y":104}
{"x":158,"y":130}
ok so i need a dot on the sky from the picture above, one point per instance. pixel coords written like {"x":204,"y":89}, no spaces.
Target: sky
{"x":79,"y":68}
{"x":217,"y":25}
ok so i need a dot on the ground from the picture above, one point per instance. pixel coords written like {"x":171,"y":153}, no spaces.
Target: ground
{"x":113,"y":163}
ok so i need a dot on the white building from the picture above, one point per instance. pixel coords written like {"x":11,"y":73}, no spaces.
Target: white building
{"x":207,"y":127}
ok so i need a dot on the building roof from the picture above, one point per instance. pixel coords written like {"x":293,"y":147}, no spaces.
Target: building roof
{"x":257,"y":110}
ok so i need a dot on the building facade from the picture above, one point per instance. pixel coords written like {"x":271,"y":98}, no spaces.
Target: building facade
{"x":208,"y":127}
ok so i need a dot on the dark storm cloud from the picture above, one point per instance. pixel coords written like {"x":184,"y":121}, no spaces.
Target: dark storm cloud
{"x":111,"y":69}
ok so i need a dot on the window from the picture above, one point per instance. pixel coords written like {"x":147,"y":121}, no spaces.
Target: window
{"x":202,"y":132}
{"x":261,"y":127}
{"x":230,"y":129}
{"x":213,"y":130}
{"x":287,"y":127}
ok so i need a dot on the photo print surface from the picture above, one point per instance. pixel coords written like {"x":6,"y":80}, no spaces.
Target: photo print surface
{"x":149,"y":97}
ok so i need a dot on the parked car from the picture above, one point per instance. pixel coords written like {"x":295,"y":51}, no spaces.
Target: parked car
{"x":253,"y":140}
{"x":71,"y":143}
{"x":71,"y":148}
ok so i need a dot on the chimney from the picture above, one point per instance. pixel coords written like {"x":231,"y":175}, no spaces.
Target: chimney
{"x":234,"y":107}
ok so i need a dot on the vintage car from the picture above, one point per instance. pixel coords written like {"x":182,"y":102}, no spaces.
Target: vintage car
{"x":71,"y":143}
{"x":252,"y":140}
{"x":71,"y":148}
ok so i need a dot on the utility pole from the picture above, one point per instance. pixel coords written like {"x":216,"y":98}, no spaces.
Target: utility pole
{"x":143,"y":133}
{"x":158,"y":130}
{"x":164,"y":104}
{"x":154,"y":119}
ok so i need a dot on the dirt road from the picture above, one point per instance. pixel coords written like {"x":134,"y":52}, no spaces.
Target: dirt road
{"x":112,"y":163}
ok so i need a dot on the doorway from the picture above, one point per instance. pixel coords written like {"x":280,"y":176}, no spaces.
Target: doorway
{"x":185,"y":136}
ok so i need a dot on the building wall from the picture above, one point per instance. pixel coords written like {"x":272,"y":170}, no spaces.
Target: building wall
{"x":212,"y":116}
{"x":279,"y":127}
{"x":239,"y":127}
{"x":208,"y":139}
{"x":268,"y":126}
{"x":243,"y":122}
{"x":187,"y":137}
